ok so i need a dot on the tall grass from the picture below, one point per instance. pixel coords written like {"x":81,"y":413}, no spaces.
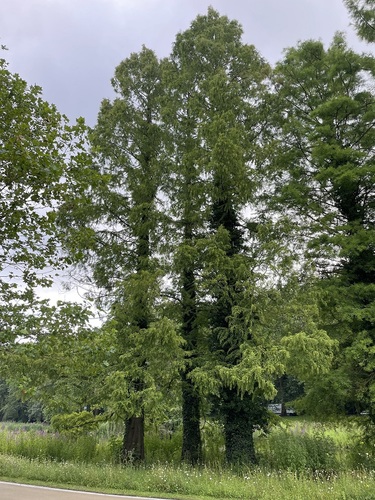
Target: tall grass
{"x":297,"y":460}
{"x":39,"y":443}
{"x":190,"y":483}
{"x":296,"y":447}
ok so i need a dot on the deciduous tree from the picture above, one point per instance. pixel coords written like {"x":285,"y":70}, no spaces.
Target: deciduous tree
{"x":324,"y":178}
{"x":36,"y":148}
{"x":112,"y":221}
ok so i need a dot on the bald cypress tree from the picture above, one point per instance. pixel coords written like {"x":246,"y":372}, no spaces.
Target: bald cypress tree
{"x":216,"y":86}
{"x":363,"y":15}
{"x":324,"y":177}
{"x":111,"y":221}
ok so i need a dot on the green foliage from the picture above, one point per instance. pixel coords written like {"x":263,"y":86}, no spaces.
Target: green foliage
{"x":362,"y":454}
{"x":63,"y":364}
{"x":324,"y":177}
{"x":309,"y":463}
{"x":11,"y":406}
{"x":110,"y":216}
{"x":44,"y":445}
{"x":202,"y":484}
{"x":300,"y":451}
{"x":138,"y":384}
{"x":75,"y":423}
{"x":163,"y":449}
{"x":213,"y":80}
{"x":112,"y":225}
{"x":224,"y":216}
{"x":362,"y":13}
{"x":37,"y":147}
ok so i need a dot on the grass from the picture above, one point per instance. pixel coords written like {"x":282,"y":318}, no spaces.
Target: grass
{"x":42,"y":444}
{"x":189,"y":483}
{"x":298,"y":460}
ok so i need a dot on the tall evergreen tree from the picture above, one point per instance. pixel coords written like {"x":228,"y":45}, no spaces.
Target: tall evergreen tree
{"x":214,"y":115}
{"x":184,"y":135}
{"x":188,"y":210}
{"x":128,"y":138}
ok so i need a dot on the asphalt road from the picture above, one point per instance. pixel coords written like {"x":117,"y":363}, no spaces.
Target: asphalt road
{"x":13,"y":491}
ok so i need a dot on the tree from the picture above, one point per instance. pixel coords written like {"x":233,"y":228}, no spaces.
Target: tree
{"x":159,"y":214}
{"x":222,"y":78}
{"x":186,"y":190}
{"x":38,"y":150}
{"x":63,"y":364}
{"x":363,"y":15}
{"x":36,"y":147}
{"x":324,"y":179}
{"x":214,"y":114}
{"x":112,"y":224}
{"x":11,"y":406}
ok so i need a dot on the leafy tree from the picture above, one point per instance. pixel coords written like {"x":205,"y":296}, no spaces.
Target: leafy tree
{"x":36,"y":147}
{"x":214,"y":114}
{"x":363,"y":15}
{"x":12,"y":408}
{"x":176,"y":150}
{"x":112,"y":226}
{"x":324,"y":179}
{"x":62,"y":361}
{"x":221,"y":76}
{"x":188,"y":214}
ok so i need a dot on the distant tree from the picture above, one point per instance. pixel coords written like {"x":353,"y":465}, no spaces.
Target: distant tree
{"x":61,"y":363}
{"x":363,"y":15}
{"x":13,"y":408}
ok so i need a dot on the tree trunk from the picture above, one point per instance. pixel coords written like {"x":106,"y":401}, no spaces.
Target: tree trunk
{"x":191,"y":437}
{"x":191,"y":441}
{"x":133,"y":444}
{"x":237,"y":414}
{"x":133,"y":448}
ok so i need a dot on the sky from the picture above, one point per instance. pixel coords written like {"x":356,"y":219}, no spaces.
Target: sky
{"x":71,"y":47}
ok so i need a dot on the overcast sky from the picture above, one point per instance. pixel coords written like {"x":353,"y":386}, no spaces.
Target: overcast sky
{"x":71,"y":47}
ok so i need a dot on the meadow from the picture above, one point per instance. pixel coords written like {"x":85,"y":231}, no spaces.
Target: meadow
{"x":297,"y":460}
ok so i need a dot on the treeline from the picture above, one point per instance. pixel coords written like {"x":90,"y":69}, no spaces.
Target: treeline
{"x":221,"y":213}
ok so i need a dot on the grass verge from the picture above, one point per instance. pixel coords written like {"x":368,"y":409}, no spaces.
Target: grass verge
{"x":188,"y":483}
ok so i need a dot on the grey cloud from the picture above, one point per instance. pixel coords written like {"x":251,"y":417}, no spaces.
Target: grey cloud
{"x":71,"y":47}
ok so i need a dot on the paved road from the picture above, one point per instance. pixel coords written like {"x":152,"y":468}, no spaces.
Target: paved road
{"x":12,"y":491}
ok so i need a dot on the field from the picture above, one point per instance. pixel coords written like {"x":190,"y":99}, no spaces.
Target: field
{"x":297,"y":460}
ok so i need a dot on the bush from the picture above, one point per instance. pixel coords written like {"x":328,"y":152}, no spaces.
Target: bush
{"x":362,"y":455}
